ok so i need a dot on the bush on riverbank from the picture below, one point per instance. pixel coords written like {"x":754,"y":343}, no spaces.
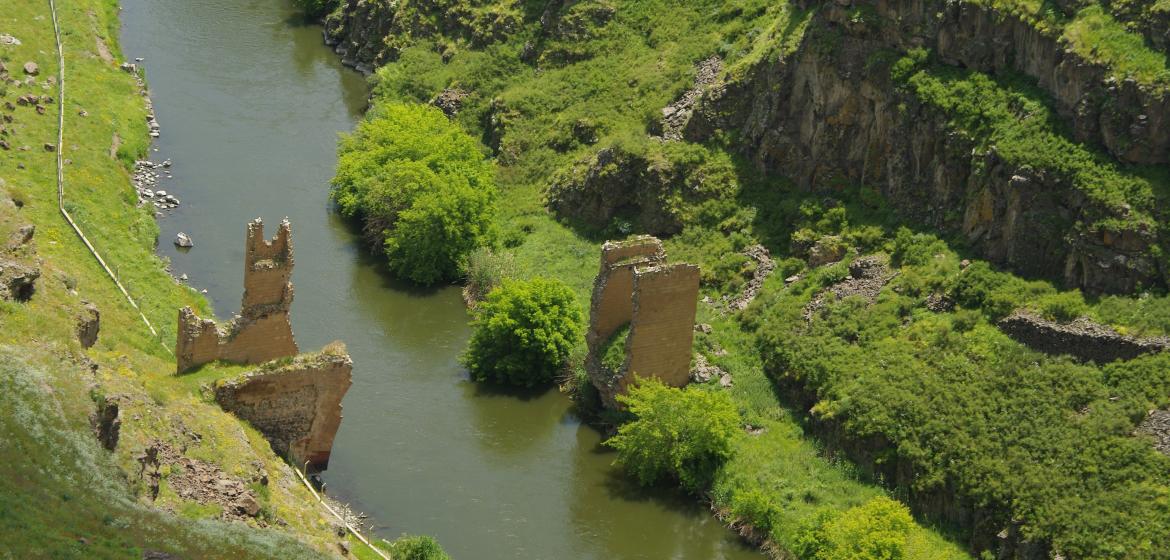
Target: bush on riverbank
{"x":421,"y":187}
{"x":684,"y":434}
{"x":875,"y":530}
{"x":524,"y":332}
{"x":412,"y":547}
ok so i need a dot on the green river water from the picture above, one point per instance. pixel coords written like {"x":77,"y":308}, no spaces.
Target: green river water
{"x":251,"y":102}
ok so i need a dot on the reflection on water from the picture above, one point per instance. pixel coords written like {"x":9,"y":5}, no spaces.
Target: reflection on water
{"x":251,"y":104}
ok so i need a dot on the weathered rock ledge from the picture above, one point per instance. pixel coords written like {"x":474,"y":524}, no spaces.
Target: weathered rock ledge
{"x":1082,"y":338}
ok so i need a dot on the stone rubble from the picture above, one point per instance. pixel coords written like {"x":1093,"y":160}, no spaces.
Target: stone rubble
{"x":764,"y":267}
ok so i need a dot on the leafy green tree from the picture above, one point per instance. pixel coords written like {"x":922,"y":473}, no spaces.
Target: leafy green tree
{"x":524,"y":332}
{"x":875,"y":530}
{"x":421,"y":186}
{"x":685,"y":434}
{"x":432,"y":237}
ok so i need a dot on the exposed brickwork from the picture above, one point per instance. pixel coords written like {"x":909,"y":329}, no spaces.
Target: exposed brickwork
{"x":262,"y":331}
{"x":296,"y":404}
{"x":636,"y":287}
{"x":663,"y":326}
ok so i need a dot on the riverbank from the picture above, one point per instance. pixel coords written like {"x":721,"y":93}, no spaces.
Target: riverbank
{"x":62,"y":494}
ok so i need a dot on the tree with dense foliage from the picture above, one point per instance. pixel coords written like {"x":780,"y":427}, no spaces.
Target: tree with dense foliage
{"x":524,"y":332}
{"x":682,"y":433}
{"x":421,"y":186}
{"x":875,"y":530}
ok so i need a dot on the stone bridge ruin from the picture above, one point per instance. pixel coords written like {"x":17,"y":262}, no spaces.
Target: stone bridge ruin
{"x":636,"y":287}
{"x":261,"y":331}
{"x":294,"y":400}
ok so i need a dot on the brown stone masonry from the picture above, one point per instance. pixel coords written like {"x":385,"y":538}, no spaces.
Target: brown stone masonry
{"x":635,"y":287}
{"x":262,"y":331}
{"x":295,"y":403}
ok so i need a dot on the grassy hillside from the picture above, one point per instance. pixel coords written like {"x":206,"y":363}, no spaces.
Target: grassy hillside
{"x":62,"y":495}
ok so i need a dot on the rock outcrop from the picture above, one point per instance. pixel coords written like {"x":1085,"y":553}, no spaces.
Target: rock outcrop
{"x":616,"y":184}
{"x":296,"y":404}
{"x":368,"y":34}
{"x":88,"y":325}
{"x":107,"y":423}
{"x":658,"y":301}
{"x":261,"y":331}
{"x":1082,"y":338}
{"x":19,"y":266}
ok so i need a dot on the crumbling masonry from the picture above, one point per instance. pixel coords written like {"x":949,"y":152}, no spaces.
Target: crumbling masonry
{"x":262,"y":331}
{"x":296,"y":405}
{"x":295,"y":401}
{"x":636,"y":287}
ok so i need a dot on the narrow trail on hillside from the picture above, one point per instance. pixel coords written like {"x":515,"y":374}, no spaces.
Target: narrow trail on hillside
{"x":61,"y":175}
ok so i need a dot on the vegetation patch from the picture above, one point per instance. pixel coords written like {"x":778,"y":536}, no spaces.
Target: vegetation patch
{"x":1017,"y":122}
{"x":675,"y":433}
{"x":524,"y":332}
{"x":422,"y":188}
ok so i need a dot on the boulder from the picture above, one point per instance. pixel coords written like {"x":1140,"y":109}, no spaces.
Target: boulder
{"x":829,"y":249}
{"x":184,"y":240}
{"x":31,"y":68}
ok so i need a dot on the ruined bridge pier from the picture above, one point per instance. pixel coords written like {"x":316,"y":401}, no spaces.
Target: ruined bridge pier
{"x":293,"y":399}
{"x":658,"y":301}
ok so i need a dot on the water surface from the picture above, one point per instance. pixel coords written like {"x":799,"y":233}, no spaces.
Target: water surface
{"x":251,"y":102}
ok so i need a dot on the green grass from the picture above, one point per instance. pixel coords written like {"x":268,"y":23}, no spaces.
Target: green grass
{"x":1097,"y":36}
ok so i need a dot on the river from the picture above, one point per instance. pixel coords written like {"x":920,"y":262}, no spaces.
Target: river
{"x":251,"y":102}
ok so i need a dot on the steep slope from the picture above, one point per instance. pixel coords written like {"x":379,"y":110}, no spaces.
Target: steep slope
{"x":106,"y":453}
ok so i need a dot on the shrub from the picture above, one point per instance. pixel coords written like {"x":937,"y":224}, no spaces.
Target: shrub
{"x":1064,"y":306}
{"x":436,"y":233}
{"x":408,"y":547}
{"x":524,"y":332}
{"x":613,"y":353}
{"x":485,"y":269}
{"x":685,"y":434}
{"x":421,"y":186}
{"x":875,"y":530}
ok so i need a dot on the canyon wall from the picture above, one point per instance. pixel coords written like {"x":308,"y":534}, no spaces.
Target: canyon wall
{"x":829,"y":112}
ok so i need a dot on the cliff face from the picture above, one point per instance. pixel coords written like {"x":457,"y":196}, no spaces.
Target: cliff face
{"x":831,"y":112}
{"x":367,"y":33}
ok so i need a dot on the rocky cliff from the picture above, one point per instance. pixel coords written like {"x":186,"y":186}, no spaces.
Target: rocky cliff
{"x":832,"y":112}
